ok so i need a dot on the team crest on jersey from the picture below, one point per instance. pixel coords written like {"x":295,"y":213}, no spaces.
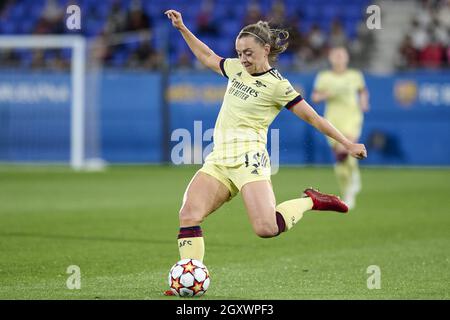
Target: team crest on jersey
{"x":239,"y":74}
{"x":259,"y":84}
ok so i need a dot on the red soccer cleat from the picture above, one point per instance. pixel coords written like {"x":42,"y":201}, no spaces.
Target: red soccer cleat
{"x":169,"y":293}
{"x":326,"y":202}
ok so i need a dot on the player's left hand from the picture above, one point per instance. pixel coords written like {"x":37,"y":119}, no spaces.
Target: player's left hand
{"x":358,"y":151}
{"x":175,"y":16}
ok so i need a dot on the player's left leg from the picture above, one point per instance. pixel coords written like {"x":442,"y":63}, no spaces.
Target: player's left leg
{"x":260,"y":203}
{"x":269,"y":220}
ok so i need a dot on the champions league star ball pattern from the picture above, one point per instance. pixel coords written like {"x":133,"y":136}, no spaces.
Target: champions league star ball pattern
{"x":189,"y":278}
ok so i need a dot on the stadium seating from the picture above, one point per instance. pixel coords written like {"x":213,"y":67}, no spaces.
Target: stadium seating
{"x":227,"y":15}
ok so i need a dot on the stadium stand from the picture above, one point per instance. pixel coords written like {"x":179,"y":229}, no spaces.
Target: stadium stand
{"x":314,"y":25}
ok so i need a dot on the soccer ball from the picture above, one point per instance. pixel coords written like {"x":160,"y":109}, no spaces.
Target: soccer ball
{"x":189,"y":278}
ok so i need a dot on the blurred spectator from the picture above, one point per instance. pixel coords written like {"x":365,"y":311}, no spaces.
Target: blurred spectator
{"x":117,"y":19}
{"x":9,"y":58}
{"x":303,"y":58}
{"x":296,"y":38}
{"x":205,"y":19}
{"x":447,"y":56}
{"x":419,"y":36}
{"x":38,"y":59}
{"x":316,"y":40}
{"x":42,"y":27}
{"x":423,"y":14}
{"x":53,"y":12}
{"x":137,"y":19}
{"x":253,"y":14}
{"x":145,"y":57}
{"x":306,"y":60}
{"x":101,"y":50}
{"x":337,"y":35}
{"x":432,"y":56}
{"x":114,"y":17}
{"x":277,"y":15}
{"x":5,"y":5}
{"x":443,"y":14}
{"x":408,"y":54}
{"x":52,"y":18}
{"x":58,"y":63}
{"x":361,"y":47}
{"x":427,"y":42}
{"x":440,"y":32}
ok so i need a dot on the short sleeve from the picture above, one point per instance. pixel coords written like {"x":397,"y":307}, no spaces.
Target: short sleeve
{"x":230,"y":66}
{"x":285,"y":95}
{"x":319,"y":82}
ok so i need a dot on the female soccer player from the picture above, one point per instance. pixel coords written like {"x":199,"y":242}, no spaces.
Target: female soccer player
{"x":346,"y":99}
{"x":239,"y":162}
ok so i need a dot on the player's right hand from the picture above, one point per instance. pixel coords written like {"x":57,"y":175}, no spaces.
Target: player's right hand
{"x":175,"y":16}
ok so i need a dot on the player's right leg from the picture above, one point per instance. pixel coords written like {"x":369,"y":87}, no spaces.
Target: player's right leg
{"x":203,"y":195}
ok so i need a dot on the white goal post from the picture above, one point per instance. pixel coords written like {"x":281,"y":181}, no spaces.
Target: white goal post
{"x":78,"y":73}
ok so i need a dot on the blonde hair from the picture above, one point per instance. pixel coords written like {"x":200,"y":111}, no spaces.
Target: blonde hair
{"x":262,"y":33}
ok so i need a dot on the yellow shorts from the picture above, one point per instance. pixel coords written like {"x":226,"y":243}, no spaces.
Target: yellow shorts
{"x":255,"y":166}
{"x":350,"y":129}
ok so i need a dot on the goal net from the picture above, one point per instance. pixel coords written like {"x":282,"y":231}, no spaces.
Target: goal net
{"x":48,"y":111}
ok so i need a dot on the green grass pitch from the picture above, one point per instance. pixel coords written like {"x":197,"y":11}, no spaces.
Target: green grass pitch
{"x":120,"y":226}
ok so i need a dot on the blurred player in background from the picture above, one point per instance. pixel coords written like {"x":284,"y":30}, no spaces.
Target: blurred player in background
{"x":239,"y":162}
{"x":346,"y":97}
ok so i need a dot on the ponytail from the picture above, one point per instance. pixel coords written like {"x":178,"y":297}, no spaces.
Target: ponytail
{"x":261,"y":32}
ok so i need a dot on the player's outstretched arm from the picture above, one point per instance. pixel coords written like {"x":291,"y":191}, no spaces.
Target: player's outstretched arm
{"x":304,"y":111}
{"x":203,"y":53}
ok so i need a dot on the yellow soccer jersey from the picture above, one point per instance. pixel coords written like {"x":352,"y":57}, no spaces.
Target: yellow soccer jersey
{"x":250,"y":104}
{"x":342,"y":106}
